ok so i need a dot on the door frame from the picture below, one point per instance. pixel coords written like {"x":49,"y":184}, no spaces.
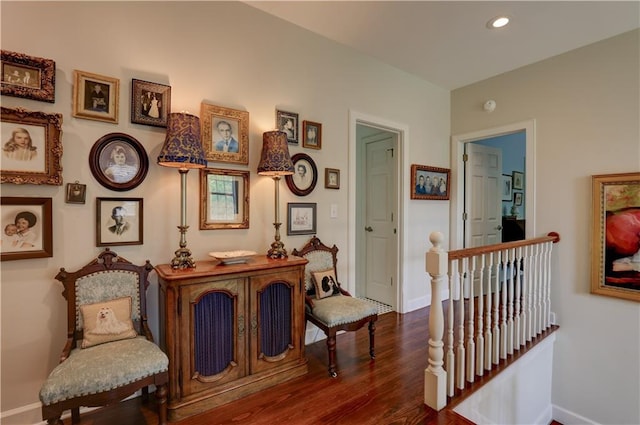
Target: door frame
{"x":402,"y":193}
{"x":458,"y":141}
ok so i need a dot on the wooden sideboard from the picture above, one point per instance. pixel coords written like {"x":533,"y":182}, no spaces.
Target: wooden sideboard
{"x":230,"y":330}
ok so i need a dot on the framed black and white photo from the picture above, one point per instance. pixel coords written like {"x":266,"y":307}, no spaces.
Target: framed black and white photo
{"x":429,"y":182}
{"x":95,"y":97}
{"x":28,"y":77}
{"x":517,"y":198}
{"x":518,"y":180}
{"x":119,"y":221}
{"x":225,"y":134}
{"x":305,"y":175}
{"x":287,"y":122}
{"x":332,"y":178}
{"x":118,"y":162}
{"x":311,"y":135}
{"x":31,"y":147}
{"x":301,"y":218}
{"x":26,"y":228}
{"x":76,"y":193}
{"x":507,"y":190}
{"x":224,"y":199}
{"x":150,"y":103}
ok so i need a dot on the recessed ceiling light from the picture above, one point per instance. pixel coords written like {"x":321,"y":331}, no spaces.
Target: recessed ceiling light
{"x":498,"y":22}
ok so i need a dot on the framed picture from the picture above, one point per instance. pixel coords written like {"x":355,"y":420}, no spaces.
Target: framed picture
{"x":26,"y":228}
{"x":331,"y":178}
{"x":150,"y":103}
{"x":95,"y":97}
{"x":119,"y":221}
{"x":288,"y":123}
{"x":225,"y":134}
{"x":76,"y":193}
{"x":305,"y":175}
{"x":615,"y":246}
{"x":28,"y":77}
{"x":507,"y":190}
{"x":224,"y":199}
{"x":518,"y":180}
{"x":311,"y":135}
{"x":301,"y":218}
{"x":517,"y":198}
{"x":31,"y":147}
{"x":118,"y":161}
{"x":429,"y":182}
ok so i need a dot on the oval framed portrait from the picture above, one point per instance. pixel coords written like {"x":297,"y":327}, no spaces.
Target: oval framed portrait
{"x":305,"y":175}
{"x":118,"y":161}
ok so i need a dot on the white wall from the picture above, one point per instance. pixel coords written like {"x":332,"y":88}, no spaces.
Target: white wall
{"x":586,"y":104}
{"x":227,"y":54}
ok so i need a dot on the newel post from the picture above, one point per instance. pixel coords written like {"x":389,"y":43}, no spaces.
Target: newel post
{"x":435,"y":377}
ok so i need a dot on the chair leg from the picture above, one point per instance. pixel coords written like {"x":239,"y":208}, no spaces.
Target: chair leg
{"x":75,"y":415}
{"x":331,"y":345}
{"x":161,"y":398}
{"x":372,"y":331}
{"x":145,"y":394}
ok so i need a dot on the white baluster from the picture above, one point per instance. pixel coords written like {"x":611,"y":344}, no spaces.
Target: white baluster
{"x":488,"y":341}
{"x":460,"y":354}
{"x":471,"y":345}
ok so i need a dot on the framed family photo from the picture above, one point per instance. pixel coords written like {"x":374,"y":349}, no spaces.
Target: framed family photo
{"x":150,"y":103}
{"x":95,"y":97}
{"x":28,"y":77}
{"x":332,"y":178}
{"x":311,"y":135}
{"x":31,"y":147}
{"x":224,"y":199}
{"x":301,"y":218}
{"x":615,"y":248}
{"x":119,"y":221}
{"x":225,"y":134}
{"x":429,"y":182}
{"x":287,"y":122}
{"x":118,"y":162}
{"x":26,"y":228}
{"x":305,"y":175}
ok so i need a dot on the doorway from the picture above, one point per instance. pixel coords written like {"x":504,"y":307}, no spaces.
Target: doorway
{"x":462,"y":195}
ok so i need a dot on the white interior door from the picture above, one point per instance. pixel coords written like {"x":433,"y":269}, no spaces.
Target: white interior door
{"x":380,"y":219}
{"x":483,"y":200}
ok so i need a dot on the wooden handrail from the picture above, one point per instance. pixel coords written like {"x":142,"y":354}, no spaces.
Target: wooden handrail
{"x":471,"y":252}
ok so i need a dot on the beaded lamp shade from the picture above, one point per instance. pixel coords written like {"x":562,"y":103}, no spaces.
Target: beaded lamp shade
{"x":275,"y":159}
{"x":182,"y":147}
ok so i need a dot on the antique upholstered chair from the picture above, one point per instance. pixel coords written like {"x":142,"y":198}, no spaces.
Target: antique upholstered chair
{"x":328,"y":306}
{"x":109,"y":352}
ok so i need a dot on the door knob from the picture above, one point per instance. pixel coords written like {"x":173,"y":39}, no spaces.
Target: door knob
{"x":499,"y":227}
{"x":369,"y":229}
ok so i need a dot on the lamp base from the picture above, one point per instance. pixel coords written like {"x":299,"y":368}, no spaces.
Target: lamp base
{"x":183,"y":259}
{"x":277,"y":251}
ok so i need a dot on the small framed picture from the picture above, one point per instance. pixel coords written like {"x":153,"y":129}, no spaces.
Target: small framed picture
{"x":29,"y":77}
{"x":150,"y":103}
{"x":288,"y":123}
{"x":118,"y":161}
{"x":305,"y":175}
{"x":26,"y":228}
{"x":95,"y":97}
{"x":31,"y":147}
{"x":119,"y":221}
{"x":331,"y":178}
{"x":311,"y":135}
{"x":429,"y":182}
{"x":517,"y":198}
{"x":507,"y":190}
{"x":301,"y":218}
{"x":76,"y":193}
{"x":615,"y":245}
{"x":225,"y":134}
{"x":224,"y":199}
{"x":518,"y":180}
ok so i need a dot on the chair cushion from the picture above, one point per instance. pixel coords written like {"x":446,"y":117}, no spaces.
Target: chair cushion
{"x":341,"y":310}
{"x":325,"y":283}
{"x":107,"y":321}
{"x":102,"y":368}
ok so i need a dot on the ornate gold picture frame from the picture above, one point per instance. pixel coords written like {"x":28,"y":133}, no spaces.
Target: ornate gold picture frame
{"x":224,"y":199}
{"x":225,"y":134}
{"x":29,"y":77}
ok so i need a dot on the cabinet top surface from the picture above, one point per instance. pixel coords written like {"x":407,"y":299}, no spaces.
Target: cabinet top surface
{"x":214,"y":267}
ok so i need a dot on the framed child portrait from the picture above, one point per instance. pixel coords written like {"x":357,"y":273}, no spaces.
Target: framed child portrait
{"x":26,"y":228}
{"x":28,"y":77}
{"x":95,"y":97}
{"x":311,"y":135}
{"x":31,"y":147}
{"x":118,"y":162}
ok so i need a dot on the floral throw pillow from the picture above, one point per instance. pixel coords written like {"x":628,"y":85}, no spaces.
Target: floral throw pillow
{"x":325,"y":283}
{"x":107,"y":321}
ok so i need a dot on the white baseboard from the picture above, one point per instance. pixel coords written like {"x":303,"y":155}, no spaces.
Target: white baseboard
{"x":567,"y":417}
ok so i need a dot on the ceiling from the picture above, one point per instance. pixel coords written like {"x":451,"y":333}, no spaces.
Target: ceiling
{"x":447,"y":42}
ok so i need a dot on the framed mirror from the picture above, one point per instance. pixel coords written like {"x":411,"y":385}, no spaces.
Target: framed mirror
{"x":224,"y":199}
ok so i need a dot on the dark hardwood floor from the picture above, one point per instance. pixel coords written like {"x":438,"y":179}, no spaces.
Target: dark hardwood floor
{"x":387,"y":391}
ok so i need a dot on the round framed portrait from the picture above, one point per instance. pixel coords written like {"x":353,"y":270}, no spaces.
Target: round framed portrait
{"x":305,"y":175}
{"x":118,"y":162}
